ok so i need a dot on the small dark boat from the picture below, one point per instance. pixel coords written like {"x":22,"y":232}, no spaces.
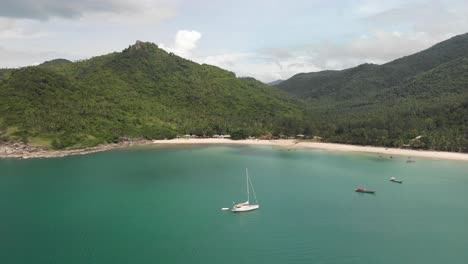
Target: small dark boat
{"x":364,"y":190}
{"x":393,"y":179}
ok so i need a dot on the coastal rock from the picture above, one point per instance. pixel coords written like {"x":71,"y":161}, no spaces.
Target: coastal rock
{"x":21,"y":150}
{"x":18,"y":150}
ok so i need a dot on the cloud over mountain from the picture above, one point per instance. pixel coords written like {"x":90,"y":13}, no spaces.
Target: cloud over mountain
{"x":46,"y":9}
{"x":185,"y":41}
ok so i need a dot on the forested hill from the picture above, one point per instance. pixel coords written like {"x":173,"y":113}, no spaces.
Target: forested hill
{"x":4,"y":72}
{"x":372,"y":78}
{"x":142,"y":91}
{"x":55,"y":63}
{"x":425,"y":94}
{"x":420,"y":101}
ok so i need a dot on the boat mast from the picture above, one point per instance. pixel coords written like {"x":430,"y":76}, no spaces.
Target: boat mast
{"x":253,"y":190}
{"x":247,"y":178}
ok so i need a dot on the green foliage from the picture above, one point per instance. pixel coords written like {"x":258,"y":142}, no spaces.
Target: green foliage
{"x":55,"y":63}
{"x":370,"y":79}
{"x":22,"y":135}
{"x":239,"y":134}
{"x":4,"y":73}
{"x":425,"y":94}
{"x":145,"y":92}
{"x":158,"y":132}
{"x":141,"y":92}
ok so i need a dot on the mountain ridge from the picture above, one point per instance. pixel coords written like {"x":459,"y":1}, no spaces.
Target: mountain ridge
{"x":141,"y":92}
{"x":276,"y":82}
{"x":418,"y":101}
{"x":375,"y":76}
{"x":424,"y":94}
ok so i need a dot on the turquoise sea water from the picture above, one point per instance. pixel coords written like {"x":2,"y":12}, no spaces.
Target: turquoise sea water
{"x":162,"y":205}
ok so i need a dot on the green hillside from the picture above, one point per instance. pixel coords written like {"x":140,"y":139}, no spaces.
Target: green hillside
{"x":372,"y":78}
{"x":55,"y":63}
{"x":425,"y":94}
{"x":419,"y":101}
{"x":4,"y":72}
{"x":142,"y":91}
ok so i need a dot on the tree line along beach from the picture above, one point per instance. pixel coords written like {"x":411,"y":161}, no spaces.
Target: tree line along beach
{"x":23,"y":151}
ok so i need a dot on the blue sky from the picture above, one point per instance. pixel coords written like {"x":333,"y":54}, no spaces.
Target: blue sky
{"x":265,"y":39}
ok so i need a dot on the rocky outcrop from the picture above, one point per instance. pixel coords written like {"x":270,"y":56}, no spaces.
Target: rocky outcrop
{"x":19,"y":150}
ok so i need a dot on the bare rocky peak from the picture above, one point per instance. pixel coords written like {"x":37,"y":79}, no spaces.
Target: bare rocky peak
{"x":138,"y":44}
{"x":141,"y":45}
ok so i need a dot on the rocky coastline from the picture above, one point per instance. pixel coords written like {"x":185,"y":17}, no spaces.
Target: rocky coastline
{"x":25,"y":151}
{"x":19,"y":150}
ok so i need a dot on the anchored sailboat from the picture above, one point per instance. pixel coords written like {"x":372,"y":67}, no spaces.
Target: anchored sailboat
{"x":246,"y":206}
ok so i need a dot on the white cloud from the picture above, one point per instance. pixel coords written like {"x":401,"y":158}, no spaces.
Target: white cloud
{"x":365,"y":8}
{"x":46,"y":9}
{"x":378,"y":47}
{"x":265,"y":66}
{"x":431,"y":16}
{"x":13,"y":31}
{"x":42,"y":15}
{"x":378,"y":32}
{"x":384,"y":46}
{"x":134,"y":12}
{"x":281,"y":63}
{"x":227,"y":60}
{"x":13,"y":58}
{"x":6,"y":24}
{"x":10,"y":29}
{"x":185,"y":42}
{"x":262,"y":67}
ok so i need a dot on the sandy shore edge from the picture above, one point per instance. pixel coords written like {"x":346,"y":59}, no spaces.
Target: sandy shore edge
{"x":299,"y":144}
{"x":25,"y":153}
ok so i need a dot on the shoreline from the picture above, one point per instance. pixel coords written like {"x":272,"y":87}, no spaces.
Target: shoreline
{"x":335,"y":147}
{"x":22,"y":151}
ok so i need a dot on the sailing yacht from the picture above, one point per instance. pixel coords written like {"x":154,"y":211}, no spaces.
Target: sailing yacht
{"x":246,"y":206}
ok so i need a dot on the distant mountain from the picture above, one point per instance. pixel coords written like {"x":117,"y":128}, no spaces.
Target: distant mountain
{"x":273,"y":83}
{"x":55,"y":63}
{"x":52,"y":63}
{"x":422,"y":94}
{"x":418,"y":101}
{"x":142,"y":91}
{"x":372,"y":78}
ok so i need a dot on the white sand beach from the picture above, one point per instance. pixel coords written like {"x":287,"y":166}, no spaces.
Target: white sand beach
{"x":295,"y":144}
{"x":22,"y":152}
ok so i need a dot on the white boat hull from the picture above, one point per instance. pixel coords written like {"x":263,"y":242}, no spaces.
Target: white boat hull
{"x":245,"y":208}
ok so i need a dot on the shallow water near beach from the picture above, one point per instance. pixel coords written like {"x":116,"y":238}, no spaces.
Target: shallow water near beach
{"x":162,"y":205}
